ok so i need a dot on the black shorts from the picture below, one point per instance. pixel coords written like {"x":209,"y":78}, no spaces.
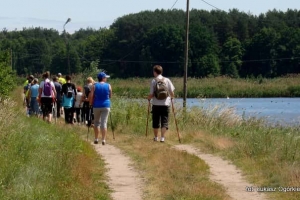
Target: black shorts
{"x":160,"y":116}
{"x":46,"y":105}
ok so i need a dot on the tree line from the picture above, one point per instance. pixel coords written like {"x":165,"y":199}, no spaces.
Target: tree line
{"x":234,"y":43}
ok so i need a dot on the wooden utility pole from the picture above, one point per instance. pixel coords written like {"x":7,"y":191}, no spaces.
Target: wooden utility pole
{"x":186,"y":52}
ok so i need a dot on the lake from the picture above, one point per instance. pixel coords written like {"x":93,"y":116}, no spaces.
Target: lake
{"x":284,"y":111}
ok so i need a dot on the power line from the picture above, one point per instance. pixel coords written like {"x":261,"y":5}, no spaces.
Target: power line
{"x":212,"y":5}
{"x":181,"y":62}
{"x":174,"y":4}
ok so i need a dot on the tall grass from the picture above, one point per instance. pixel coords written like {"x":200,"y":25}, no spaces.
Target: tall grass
{"x":218,"y":87}
{"x":43,"y":161}
{"x":269,"y":156}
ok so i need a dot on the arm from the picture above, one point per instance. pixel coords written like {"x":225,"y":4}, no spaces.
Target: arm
{"x":151,"y":94}
{"x":28,"y":95}
{"x":91,"y":96}
{"x":171,"y":89}
{"x":75,"y":92}
{"x":54,"y":91}
{"x":110,"y":91}
{"x":40,"y":94}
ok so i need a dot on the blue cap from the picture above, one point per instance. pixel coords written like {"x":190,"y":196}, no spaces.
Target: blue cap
{"x":102,"y":75}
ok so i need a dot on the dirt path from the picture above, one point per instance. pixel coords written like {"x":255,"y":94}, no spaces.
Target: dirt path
{"x":123,"y":180}
{"x":226,"y":174}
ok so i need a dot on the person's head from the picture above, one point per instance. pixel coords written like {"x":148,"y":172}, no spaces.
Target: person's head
{"x":55,"y":79}
{"x":35,"y":81}
{"x":46,"y":75}
{"x":79,"y":89}
{"x":90,"y":80}
{"x":102,"y":76}
{"x":30,"y":78}
{"x":157,"y":70}
{"x":68,"y":78}
{"x":59,"y":75}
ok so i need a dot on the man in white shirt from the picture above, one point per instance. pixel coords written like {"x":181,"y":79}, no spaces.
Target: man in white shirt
{"x":161,"y":92}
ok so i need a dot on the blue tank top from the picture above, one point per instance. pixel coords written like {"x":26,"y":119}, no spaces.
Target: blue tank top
{"x":34,"y":90}
{"x":101,"y":96}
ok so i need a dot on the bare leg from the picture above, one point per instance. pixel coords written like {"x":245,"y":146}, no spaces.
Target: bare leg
{"x":155,"y":130}
{"x":97,"y":131}
{"x":49,"y":118}
{"x":103,"y":132}
{"x":163,"y":131}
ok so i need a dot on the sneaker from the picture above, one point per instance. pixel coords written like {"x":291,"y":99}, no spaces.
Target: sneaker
{"x":96,"y":141}
{"x":162,"y":139}
{"x":103,"y":142}
{"x":155,"y":139}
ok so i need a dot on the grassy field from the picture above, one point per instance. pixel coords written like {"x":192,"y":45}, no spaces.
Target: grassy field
{"x":43,"y":161}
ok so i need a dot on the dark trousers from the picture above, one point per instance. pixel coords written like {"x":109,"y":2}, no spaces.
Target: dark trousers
{"x":58,"y":105}
{"x":160,"y":116}
{"x":69,"y":115}
{"x":88,"y":113}
{"x":79,"y":114}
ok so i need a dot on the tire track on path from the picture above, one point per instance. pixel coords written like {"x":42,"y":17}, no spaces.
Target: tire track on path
{"x":124,"y":180}
{"x":224,"y":173}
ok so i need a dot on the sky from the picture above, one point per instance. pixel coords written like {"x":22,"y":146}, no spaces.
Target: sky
{"x":16,"y":14}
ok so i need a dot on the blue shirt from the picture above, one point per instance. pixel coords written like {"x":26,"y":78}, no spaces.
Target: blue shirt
{"x":101,"y":95}
{"x":34,"y":89}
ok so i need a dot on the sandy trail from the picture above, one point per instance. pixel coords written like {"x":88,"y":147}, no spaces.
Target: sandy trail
{"x":226,"y":174}
{"x":123,"y":179}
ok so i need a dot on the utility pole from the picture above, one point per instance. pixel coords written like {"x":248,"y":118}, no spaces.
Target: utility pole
{"x":67,"y":45}
{"x":186,"y":52}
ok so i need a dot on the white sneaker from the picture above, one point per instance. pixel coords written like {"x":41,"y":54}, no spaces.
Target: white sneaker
{"x":155,"y":139}
{"x":103,"y":142}
{"x":162,"y":139}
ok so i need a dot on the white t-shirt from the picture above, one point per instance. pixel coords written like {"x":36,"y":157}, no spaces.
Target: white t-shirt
{"x":167,"y":101}
{"x":42,"y":86}
{"x":78,"y":98}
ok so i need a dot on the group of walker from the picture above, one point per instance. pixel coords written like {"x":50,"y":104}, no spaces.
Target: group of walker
{"x":92,"y":105}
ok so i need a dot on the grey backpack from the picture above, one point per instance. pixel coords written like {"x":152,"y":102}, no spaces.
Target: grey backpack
{"x":161,"y":89}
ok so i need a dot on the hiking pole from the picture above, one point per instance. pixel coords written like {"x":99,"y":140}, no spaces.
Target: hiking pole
{"x":89,"y":118}
{"x":175,"y":121}
{"x":148,"y":117}
{"x":112,"y":127}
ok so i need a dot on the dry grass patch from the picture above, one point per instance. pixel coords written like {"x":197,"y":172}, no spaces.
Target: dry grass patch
{"x":209,"y":142}
{"x":169,"y":173}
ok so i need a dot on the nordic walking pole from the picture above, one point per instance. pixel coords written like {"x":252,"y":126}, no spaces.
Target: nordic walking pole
{"x":175,"y":121}
{"x":112,"y":127}
{"x":89,"y":118}
{"x":148,"y":118}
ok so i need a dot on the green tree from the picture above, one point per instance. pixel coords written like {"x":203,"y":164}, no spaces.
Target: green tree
{"x":232,"y":53}
{"x":7,"y":75}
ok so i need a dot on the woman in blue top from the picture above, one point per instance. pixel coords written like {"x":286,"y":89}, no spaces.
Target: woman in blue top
{"x":99,"y":98}
{"x":33,"y":94}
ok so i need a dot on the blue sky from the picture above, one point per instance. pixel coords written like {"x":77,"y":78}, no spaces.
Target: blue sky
{"x":16,"y":14}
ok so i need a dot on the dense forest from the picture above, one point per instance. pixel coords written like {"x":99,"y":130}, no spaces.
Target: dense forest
{"x":233,"y":43}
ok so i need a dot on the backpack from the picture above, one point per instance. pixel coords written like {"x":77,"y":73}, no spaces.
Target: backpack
{"x":70,"y":92}
{"x":47,"y":88}
{"x":160,"y":89}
